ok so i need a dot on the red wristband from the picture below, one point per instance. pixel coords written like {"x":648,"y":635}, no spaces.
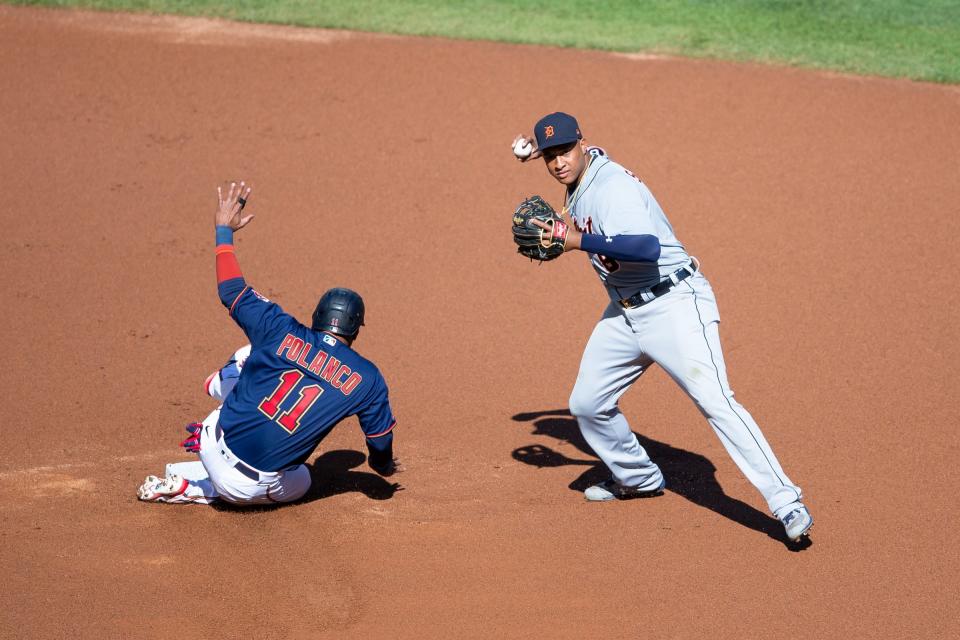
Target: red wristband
{"x":560,"y":232}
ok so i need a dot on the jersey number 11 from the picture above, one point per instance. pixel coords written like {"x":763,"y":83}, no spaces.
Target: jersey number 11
{"x":290,"y":419}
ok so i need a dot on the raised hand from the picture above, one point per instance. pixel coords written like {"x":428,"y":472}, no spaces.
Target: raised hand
{"x":232,"y":198}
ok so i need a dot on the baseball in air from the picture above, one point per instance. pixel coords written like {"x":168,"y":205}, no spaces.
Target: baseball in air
{"x":522,"y":149}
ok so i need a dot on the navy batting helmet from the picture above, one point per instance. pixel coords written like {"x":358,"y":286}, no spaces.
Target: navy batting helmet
{"x":339,"y":311}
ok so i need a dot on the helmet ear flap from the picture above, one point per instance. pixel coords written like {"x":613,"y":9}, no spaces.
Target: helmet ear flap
{"x":339,"y":311}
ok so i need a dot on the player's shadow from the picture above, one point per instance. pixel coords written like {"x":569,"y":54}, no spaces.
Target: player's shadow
{"x":688,"y":474}
{"x":332,"y":474}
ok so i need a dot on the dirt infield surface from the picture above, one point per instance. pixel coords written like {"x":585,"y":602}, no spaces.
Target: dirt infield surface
{"x":824,"y":209}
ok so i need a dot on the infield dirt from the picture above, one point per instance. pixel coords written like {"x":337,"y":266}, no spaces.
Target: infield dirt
{"x":823,"y":208}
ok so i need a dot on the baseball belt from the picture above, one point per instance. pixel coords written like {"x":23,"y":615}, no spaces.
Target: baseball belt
{"x":239,"y":465}
{"x":646,"y":296}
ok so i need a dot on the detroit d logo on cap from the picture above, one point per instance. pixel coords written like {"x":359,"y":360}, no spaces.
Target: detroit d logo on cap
{"x":548,"y":131}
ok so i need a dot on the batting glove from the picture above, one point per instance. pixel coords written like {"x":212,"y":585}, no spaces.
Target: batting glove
{"x":192,"y":442}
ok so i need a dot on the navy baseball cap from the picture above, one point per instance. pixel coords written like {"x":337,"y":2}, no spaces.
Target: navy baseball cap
{"x":556,"y":129}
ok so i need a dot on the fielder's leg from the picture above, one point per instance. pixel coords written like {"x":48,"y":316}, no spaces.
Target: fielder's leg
{"x":612,"y":361}
{"x":686,"y":343}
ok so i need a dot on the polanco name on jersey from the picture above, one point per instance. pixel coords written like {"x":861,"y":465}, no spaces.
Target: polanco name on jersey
{"x":340,"y":376}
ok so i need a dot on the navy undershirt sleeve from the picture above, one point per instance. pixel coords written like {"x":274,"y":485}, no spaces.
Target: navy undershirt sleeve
{"x":382,"y":446}
{"x":381,"y":452}
{"x":639,"y":248}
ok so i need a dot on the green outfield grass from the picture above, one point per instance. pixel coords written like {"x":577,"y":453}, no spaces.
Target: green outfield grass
{"x":917,"y":39}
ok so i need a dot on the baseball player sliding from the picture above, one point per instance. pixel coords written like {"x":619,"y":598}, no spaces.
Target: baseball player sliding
{"x":297,"y":384}
{"x":662,"y":310}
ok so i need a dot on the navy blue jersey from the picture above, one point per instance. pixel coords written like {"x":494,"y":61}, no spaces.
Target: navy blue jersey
{"x":295,"y":387}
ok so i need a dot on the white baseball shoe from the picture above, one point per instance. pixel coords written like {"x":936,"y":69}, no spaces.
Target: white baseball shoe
{"x":797,"y":522}
{"x":612,"y":490}
{"x":156,"y":489}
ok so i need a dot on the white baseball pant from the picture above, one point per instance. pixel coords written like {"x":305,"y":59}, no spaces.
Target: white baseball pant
{"x":232,"y":480}
{"x":680,"y":332}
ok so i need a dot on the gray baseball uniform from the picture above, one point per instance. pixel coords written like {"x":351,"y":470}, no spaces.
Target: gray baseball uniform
{"x":679,"y":330}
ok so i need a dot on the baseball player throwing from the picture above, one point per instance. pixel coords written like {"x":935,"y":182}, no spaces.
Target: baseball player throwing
{"x":662,"y":310}
{"x":297,"y":383}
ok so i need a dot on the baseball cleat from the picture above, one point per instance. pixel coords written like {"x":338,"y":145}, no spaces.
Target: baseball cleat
{"x":612,"y":490}
{"x":156,"y":489}
{"x":797,"y":523}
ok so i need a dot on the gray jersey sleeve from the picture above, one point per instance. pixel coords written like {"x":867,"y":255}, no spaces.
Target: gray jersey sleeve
{"x":624,"y":206}
{"x":614,"y":202}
